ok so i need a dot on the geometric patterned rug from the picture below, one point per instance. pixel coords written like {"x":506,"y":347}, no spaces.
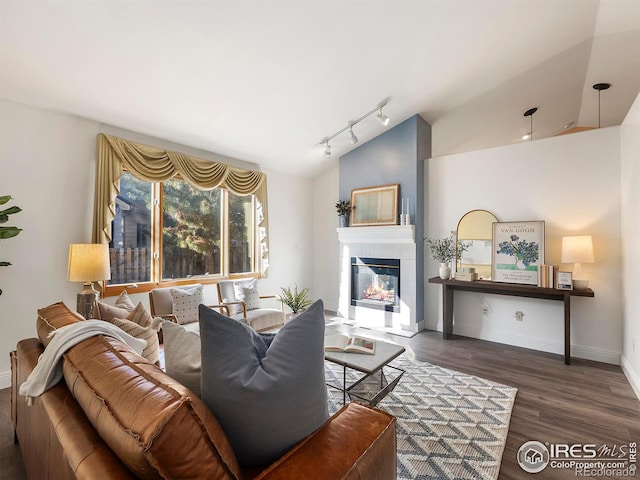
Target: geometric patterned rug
{"x":450,"y":425}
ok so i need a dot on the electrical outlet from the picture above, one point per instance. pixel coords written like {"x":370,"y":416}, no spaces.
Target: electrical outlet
{"x":485,"y":310}
{"x":519,"y":315}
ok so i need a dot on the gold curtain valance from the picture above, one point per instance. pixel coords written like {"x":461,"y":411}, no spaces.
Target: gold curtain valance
{"x":156,"y":165}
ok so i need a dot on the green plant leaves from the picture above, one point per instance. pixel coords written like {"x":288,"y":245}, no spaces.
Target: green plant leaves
{"x":8,"y":232}
{"x":296,"y":301}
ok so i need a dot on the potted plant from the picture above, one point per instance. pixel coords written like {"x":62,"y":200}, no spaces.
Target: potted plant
{"x":7,"y":232}
{"x":296,"y":300}
{"x":443,"y":250}
{"x":343,"y":207}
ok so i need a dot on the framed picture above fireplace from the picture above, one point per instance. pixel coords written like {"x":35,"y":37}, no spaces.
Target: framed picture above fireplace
{"x":374,"y":205}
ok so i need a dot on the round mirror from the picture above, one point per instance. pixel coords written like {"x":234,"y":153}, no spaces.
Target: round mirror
{"x":473,"y":240}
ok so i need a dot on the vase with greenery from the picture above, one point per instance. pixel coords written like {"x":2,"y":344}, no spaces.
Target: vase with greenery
{"x":296,"y":300}
{"x":343,"y":207}
{"x":7,"y":232}
{"x":442,"y":250}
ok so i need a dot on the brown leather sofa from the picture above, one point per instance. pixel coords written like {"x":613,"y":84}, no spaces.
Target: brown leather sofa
{"x":117,"y":416}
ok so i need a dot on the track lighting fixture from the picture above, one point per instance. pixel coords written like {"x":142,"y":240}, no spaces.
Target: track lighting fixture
{"x":529,"y":113}
{"x":353,"y":138}
{"x":383,"y":119}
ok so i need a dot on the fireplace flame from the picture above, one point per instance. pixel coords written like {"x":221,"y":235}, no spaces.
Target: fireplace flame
{"x":376,"y":291}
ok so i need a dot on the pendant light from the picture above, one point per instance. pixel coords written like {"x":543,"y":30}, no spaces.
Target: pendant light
{"x":529,"y":113}
{"x":599,"y":87}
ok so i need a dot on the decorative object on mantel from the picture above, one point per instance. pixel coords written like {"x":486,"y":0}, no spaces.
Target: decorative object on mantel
{"x":382,"y":118}
{"x":88,"y":263}
{"x":343,"y":207}
{"x":405,"y":216}
{"x":375,"y":205}
{"x":517,"y":251}
{"x":578,"y":249}
{"x":7,"y":232}
{"x":442,"y":250}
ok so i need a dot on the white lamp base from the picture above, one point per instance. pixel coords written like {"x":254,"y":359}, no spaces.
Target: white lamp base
{"x":580,"y":284}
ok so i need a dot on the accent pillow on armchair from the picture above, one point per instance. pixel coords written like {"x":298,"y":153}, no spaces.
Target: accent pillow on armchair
{"x":185,"y":303}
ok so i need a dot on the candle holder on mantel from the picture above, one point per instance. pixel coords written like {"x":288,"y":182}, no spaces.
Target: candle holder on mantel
{"x":405,"y":216}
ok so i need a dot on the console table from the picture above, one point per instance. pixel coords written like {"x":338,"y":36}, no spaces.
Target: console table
{"x":512,"y":289}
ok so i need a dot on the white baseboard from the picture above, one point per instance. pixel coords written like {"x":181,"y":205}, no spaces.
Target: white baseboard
{"x":5,"y":379}
{"x":632,"y":375}
{"x":545,"y":345}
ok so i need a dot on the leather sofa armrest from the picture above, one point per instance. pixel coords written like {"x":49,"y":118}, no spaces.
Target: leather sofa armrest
{"x":358,"y":442}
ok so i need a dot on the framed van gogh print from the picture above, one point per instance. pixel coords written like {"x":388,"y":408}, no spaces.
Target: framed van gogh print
{"x":517,"y":252}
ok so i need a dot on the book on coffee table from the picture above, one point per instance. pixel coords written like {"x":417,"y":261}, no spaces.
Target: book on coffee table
{"x":345,"y":343}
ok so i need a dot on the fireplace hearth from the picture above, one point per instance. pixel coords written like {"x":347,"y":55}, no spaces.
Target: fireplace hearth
{"x":375,"y":283}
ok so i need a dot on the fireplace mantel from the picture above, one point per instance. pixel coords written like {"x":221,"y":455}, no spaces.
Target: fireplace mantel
{"x":382,"y":234}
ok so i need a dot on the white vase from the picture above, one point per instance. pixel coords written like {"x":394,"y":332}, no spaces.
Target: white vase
{"x":445,"y":271}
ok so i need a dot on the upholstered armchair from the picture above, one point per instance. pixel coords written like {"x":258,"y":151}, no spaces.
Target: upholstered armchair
{"x":244,"y":303}
{"x":161,"y":302}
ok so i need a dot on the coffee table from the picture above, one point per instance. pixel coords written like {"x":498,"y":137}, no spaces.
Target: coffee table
{"x":368,"y":388}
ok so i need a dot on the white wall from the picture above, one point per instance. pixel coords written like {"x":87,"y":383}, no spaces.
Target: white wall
{"x":630,"y":251}
{"x":48,"y":162}
{"x":572,"y":182}
{"x":325,"y":247}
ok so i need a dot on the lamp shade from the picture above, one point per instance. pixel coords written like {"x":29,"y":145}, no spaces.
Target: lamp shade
{"x":89,"y":262}
{"x":577,"y":249}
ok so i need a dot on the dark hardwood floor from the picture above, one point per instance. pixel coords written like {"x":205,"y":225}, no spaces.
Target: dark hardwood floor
{"x":585,"y":402}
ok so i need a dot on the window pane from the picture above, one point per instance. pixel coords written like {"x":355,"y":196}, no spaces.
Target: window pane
{"x":240,"y":233}
{"x":191,"y":234}
{"x":130,"y":247}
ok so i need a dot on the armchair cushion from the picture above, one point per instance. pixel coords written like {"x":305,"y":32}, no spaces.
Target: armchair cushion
{"x":252,"y":394}
{"x":185,"y":303}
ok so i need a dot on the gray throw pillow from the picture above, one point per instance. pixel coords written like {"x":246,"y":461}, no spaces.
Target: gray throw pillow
{"x":264,"y":403}
{"x":182,"y":355}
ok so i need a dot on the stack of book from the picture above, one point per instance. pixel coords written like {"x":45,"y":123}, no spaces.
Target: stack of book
{"x":467,"y":274}
{"x":547,"y":275}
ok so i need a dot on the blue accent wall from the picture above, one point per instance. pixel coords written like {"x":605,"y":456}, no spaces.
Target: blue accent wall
{"x":395,"y":156}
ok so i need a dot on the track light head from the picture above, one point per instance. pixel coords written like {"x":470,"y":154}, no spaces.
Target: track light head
{"x":382,"y":118}
{"x":353,"y":139}
{"x":327,"y":151}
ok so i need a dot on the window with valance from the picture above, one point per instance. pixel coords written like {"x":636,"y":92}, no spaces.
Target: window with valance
{"x":171,"y":218}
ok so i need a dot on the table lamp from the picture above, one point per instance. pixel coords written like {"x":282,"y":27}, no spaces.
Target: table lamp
{"x":578,"y":249}
{"x":88,"y":263}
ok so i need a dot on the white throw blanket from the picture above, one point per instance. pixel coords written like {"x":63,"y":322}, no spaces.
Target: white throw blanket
{"x":48,"y":371}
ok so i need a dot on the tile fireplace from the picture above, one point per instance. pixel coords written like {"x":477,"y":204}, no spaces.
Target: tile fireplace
{"x":378,"y":277}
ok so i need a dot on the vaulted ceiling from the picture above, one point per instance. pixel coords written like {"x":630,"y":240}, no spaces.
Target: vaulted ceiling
{"x":265,"y":81}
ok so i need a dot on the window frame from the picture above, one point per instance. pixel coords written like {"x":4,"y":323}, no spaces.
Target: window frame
{"x":157,"y":225}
